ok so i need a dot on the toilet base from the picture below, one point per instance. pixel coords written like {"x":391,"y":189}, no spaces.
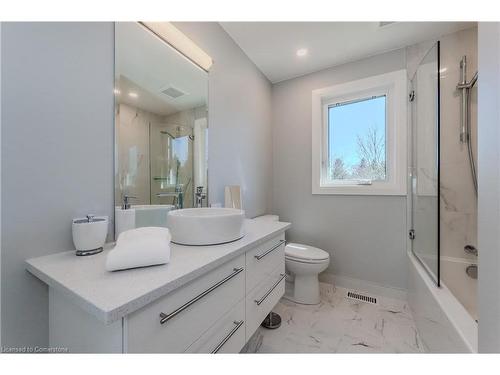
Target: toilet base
{"x":303,"y":290}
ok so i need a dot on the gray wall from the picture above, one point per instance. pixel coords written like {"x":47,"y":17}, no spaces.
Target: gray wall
{"x":489,"y":186}
{"x":239,"y":120}
{"x":57,"y":155}
{"x":0,"y":183}
{"x":57,"y":146}
{"x":365,"y":235}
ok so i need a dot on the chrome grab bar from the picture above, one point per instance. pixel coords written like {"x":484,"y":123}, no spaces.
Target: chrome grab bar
{"x":166,"y":317}
{"x":258,"y":302}
{"x":238,"y":324}
{"x":260,"y":256}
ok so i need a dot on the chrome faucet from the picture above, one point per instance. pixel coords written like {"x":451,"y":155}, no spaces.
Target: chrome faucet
{"x":200,"y":195}
{"x":180,"y":196}
{"x":126,"y":203}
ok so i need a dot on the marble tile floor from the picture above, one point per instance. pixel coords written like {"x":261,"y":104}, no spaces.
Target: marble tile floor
{"x":340,"y":325}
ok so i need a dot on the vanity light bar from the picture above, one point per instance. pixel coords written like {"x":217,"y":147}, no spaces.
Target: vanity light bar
{"x":176,"y":39}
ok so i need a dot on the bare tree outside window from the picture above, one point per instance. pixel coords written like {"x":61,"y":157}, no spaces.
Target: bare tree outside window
{"x":338,"y":170}
{"x":371,"y":151}
{"x":357,"y":141}
{"x":371,"y":154}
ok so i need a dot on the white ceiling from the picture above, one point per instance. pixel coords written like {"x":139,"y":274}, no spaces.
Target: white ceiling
{"x":272,"y":46}
{"x":145,"y":100}
{"x":146,"y":66}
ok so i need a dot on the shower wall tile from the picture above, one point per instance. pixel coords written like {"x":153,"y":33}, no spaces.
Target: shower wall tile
{"x":458,"y":200}
{"x":457,"y":229}
{"x":457,"y":190}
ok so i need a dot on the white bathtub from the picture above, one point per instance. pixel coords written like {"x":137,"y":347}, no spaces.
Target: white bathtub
{"x":444,"y":325}
{"x":464,"y":288}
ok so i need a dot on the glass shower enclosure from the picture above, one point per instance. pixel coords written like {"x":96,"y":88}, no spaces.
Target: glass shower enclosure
{"x":171,"y":150}
{"x":424,"y":171}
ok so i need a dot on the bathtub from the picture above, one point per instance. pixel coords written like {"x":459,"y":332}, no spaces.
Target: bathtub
{"x":444,"y":325}
{"x":463,"y":287}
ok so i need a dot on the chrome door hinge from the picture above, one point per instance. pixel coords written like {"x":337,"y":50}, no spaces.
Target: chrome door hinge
{"x":411,"y":96}
{"x":411,"y":234}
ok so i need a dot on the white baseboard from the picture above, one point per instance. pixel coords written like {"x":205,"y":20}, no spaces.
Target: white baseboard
{"x":363,"y":286}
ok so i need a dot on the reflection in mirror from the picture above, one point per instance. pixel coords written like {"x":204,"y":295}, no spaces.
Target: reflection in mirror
{"x":160,"y":125}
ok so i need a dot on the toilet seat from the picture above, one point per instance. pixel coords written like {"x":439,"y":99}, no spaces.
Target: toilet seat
{"x":305,"y":254}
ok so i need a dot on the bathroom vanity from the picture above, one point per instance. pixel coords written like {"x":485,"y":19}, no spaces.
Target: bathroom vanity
{"x":208,"y":299}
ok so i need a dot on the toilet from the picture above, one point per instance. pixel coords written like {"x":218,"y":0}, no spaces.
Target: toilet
{"x":303,"y":263}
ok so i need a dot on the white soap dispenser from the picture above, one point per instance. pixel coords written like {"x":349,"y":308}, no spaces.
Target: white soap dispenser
{"x":89,"y":234}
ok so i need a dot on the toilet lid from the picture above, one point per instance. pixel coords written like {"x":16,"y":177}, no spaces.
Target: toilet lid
{"x":304,"y":252}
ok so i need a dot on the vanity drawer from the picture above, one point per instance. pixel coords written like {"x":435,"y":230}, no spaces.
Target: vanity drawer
{"x":263,"y":298}
{"x":263,"y":260}
{"x":225,"y":336}
{"x":187,"y":312}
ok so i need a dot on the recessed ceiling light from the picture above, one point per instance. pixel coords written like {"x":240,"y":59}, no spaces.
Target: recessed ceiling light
{"x":133,"y":94}
{"x":117,"y":91}
{"x":302,"y":52}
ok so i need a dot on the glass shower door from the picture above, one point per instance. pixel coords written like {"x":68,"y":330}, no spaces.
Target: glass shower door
{"x":425,"y":115}
{"x":171,"y":165}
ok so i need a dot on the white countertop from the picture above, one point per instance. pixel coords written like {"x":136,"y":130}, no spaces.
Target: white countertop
{"x":110,"y":296}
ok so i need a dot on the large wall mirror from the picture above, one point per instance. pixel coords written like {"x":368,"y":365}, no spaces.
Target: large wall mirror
{"x":161,"y":125}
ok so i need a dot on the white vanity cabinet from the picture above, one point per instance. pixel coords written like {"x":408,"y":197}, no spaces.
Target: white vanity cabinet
{"x":263,"y":261}
{"x":172,"y":323}
{"x":216,"y":311}
{"x":228,"y":335}
{"x":265,"y":283}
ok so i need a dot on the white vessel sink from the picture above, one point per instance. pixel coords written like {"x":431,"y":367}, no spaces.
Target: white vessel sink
{"x":206,"y":226}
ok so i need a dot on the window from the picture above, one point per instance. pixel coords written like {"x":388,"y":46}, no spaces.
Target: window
{"x":356,"y":141}
{"x":359,"y":137}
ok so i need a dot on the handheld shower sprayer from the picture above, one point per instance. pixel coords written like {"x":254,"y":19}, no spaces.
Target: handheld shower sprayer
{"x":465,"y":127}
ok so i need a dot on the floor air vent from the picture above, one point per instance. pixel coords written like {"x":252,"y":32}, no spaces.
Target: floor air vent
{"x":361,"y":297}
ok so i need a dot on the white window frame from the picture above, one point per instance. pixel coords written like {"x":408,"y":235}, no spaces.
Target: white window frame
{"x":394,"y":86}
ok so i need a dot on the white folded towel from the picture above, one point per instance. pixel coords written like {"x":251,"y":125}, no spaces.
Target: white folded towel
{"x":140,"y":247}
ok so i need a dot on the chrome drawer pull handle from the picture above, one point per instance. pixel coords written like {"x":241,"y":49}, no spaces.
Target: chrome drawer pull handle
{"x":258,"y":302}
{"x":166,"y":317}
{"x":238,"y":324}
{"x":260,"y":256}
